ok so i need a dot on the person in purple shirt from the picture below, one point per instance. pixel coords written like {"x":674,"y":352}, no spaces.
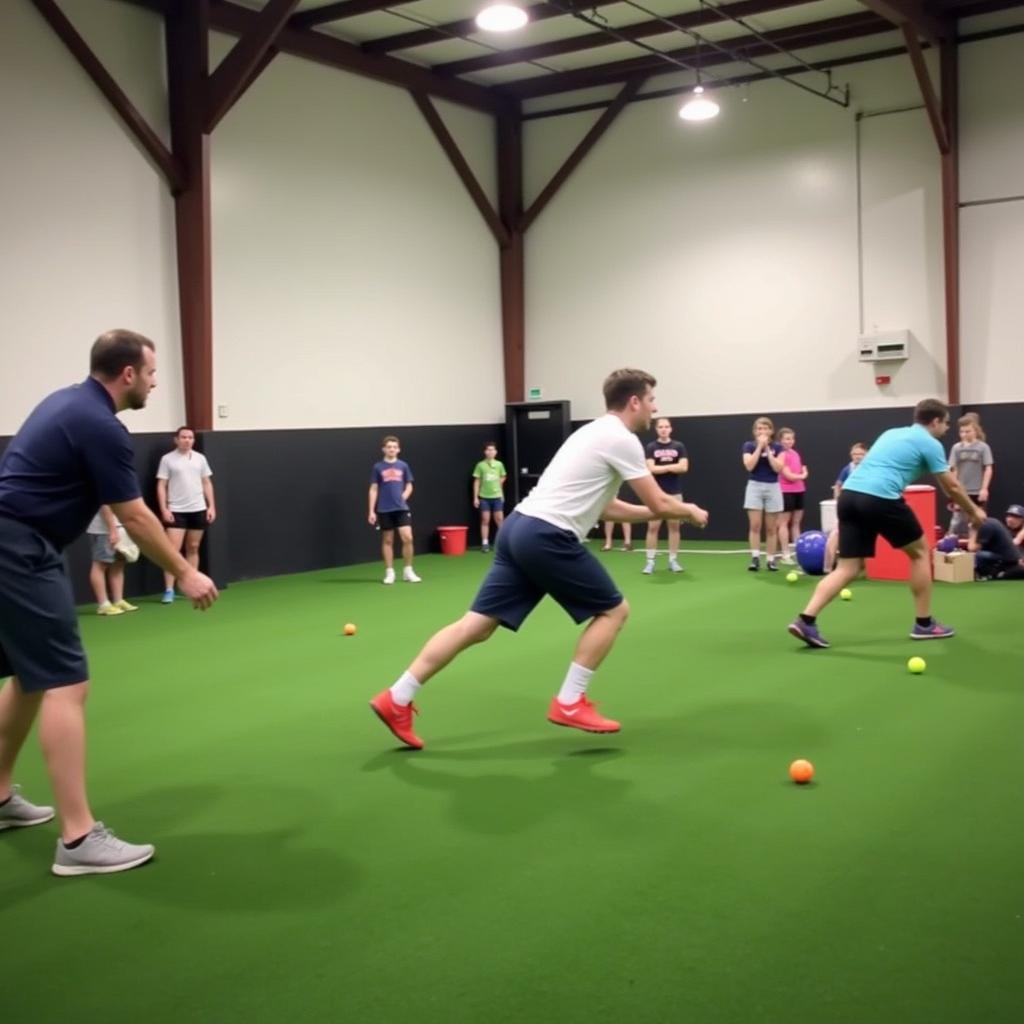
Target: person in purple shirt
{"x":390,"y":487}
{"x":71,"y":456}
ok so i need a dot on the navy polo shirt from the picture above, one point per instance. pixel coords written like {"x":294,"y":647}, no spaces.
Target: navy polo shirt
{"x":71,"y":455}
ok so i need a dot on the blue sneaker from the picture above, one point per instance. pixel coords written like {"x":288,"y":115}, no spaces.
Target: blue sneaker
{"x":936,"y":631}
{"x":168,"y":597}
{"x":808,"y":633}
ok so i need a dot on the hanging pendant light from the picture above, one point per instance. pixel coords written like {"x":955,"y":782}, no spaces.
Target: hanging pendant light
{"x":503,"y":16}
{"x":699,"y":106}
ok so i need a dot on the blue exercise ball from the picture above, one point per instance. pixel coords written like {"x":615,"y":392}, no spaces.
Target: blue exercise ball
{"x":810,"y":552}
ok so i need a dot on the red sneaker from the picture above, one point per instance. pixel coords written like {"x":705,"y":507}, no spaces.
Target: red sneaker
{"x":397,"y":718}
{"x":581,"y":715}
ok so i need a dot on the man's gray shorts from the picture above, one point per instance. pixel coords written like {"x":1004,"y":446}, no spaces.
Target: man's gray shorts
{"x":763,"y":496}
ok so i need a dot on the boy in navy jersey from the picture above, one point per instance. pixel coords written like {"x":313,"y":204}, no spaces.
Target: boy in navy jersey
{"x":390,"y":488}
{"x":667,"y":460}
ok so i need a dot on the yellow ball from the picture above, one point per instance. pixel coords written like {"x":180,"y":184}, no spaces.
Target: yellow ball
{"x":791,"y":577}
{"x":845,"y":594}
{"x":916,"y":665}
{"x":350,"y":629}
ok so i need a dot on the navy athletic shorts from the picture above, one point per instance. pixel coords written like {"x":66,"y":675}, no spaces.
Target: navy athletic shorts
{"x":39,"y":641}
{"x":492,"y":504}
{"x":534,"y":558}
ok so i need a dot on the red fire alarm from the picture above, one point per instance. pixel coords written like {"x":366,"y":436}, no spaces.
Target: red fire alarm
{"x":880,"y":381}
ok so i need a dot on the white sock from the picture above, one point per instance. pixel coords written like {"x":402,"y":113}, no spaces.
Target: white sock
{"x":403,"y":692}
{"x":650,"y":555}
{"x":755,"y":553}
{"x":577,"y":679}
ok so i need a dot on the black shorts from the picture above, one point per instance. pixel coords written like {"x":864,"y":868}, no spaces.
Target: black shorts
{"x":792,"y":501}
{"x":190,"y":520}
{"x":534,"y":558}
{"x":39,"y":641}
{"x":393,"y":520}
{"x":864,"y":517}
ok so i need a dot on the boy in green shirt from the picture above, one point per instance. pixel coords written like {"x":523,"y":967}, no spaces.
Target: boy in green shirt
{"x":488,"y":493}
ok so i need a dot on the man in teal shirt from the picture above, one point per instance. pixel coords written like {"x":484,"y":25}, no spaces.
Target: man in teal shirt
{"x":871,"y":504}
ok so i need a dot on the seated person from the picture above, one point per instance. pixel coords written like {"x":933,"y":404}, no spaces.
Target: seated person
{"x":1014,"y":519}
{"x":995,"y":553}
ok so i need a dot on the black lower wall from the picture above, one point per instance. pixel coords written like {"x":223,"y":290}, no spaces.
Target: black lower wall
{"x":295,"y":500}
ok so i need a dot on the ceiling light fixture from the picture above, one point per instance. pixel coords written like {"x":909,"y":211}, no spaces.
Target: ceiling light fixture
{"x":699,"y":107}
{"x":501,"y":17}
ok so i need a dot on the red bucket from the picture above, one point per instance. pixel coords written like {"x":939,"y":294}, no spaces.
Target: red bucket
{"x":453,"y":539}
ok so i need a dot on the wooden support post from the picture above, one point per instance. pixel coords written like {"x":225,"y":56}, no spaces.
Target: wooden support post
{"x":187,"y":31}
{"x":510,"y":208}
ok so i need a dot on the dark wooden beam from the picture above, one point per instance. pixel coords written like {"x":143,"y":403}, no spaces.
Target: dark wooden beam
{"x":187,"y":34}
{"x":600,"y":126}
{"x":818,"y":33}
{"x":924,"y":82}
{"x":510,"y":256}
{"x":462,"y":168}
{"x":949,"y":84}
{"x":344,"y":9}
{"x":594,"y":40}
{"x":236,"y":71}
{"x":325,"y":49}
{"x":465,"y":27}
{"x":911,"y":12}
{"x":168,"y":166}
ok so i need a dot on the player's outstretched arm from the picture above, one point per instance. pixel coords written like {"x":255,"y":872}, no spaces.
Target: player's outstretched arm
{"x":664,"y":506}
{"x":954,"y":490}
{"x":147,"y":532}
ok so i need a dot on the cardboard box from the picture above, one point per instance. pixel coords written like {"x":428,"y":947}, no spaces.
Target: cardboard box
{"x":954,"y":567}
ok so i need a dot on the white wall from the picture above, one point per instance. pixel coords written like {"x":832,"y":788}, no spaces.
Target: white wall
{"x":992,"y":234}
{"x":85,"y":221}
{"x":724,"y":256}
{"x":354,"y":281}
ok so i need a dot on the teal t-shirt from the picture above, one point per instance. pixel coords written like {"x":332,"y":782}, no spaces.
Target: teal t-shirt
{"x":895,"y":460}
{"x":489,"y":474}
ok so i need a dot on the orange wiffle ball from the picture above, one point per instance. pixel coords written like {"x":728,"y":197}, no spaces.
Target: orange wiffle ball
{"x":801,"y":771}
{"x":350,"y":629}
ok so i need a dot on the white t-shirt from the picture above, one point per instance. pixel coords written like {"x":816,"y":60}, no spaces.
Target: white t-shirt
{"x":585,"y":475}
{"x":98,"y":526}
{"x":184,"y":475}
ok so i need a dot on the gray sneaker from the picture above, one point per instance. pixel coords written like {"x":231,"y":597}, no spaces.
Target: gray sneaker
{"x":101,"y":853}
{"x":19,"y":813}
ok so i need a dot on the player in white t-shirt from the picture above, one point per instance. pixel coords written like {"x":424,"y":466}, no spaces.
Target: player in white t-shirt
{"x":540,"y":552}
{"x":184,"y":492}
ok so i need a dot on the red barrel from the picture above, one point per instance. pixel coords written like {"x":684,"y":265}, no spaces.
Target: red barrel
{"x":890,"y":563}
{"x":453,"y":539}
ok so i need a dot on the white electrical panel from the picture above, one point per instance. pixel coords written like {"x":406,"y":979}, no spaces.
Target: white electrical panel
{"x":883,"y":346}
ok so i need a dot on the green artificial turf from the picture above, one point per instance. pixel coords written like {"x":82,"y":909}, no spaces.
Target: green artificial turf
{"x":514,"y":871}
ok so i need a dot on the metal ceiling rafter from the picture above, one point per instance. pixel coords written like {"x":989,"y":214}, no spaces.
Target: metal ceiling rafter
{"x":463,"y":28}
{"x":761,"y":37}
{"x":911,"y":12}
{"x":246,"y":59}
{"x":818,"y":33}
{"x":340,"y":11}
{"x":595,"y":40}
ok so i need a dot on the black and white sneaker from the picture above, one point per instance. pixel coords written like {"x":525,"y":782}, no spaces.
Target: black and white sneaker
{"x":755,"y":565}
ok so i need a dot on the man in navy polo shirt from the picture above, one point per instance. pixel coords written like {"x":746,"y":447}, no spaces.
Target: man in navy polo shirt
{"x":540,"y":553}
{"x":71,"y":455}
